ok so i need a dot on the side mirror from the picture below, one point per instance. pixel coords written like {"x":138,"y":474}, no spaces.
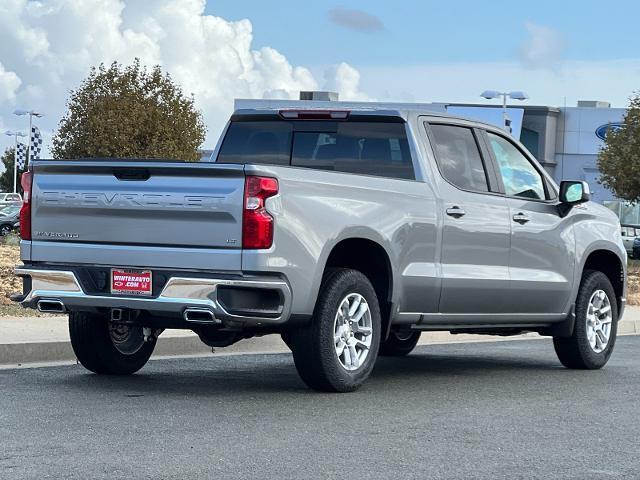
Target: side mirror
{"x":574,"y":192}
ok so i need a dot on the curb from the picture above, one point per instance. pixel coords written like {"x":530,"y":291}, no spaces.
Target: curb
{"x":17,"y":354}
{"x":25,"y":353}
{"x":629,"y":327}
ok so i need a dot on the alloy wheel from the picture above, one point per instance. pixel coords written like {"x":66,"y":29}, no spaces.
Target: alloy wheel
{"x":599,"y":318}
{"x":353,"y":331}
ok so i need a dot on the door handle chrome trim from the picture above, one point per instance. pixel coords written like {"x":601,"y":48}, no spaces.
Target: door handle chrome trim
{"x":521,"y":218}
{"x":455,"y":212}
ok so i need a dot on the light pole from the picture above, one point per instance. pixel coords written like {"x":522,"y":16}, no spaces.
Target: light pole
{"x":15,"y":156}
{"x":31,"y":113}
{"x":515,"y":95}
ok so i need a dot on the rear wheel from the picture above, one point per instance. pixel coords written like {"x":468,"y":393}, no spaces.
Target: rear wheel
{"x":107,"y":348}
{"x":594,"y":334}
{"x":337,"y":351}
{"x":399,"y":343}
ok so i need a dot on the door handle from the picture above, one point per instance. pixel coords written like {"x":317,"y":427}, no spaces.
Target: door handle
{"x":455,"y":212}
{"x":521,"y":218}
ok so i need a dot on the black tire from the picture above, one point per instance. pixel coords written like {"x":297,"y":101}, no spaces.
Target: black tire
{"x":92,"y":344}
{"x":314,"y":348}
{"x":575,"y":352}
{"x":287,"y":339}
{"x":399,"y":344}
{"x":5,"y":230}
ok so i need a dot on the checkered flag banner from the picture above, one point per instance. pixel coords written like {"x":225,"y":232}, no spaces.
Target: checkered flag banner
{"x":36,"y":143}
{"x":21,"y":155}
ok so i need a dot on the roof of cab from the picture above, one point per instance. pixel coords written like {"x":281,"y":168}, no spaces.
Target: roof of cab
{"x":392,"y":109}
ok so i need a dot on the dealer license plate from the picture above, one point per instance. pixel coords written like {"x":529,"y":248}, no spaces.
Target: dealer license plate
{"x":131,"y":282}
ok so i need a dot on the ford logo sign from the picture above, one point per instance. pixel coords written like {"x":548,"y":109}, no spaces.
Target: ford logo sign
{"x":601,"y":131}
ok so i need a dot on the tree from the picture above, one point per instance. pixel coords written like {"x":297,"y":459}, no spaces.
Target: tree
{"x":130,"y":112}
{"x":6,"y":178}
{"x":619,"y":159}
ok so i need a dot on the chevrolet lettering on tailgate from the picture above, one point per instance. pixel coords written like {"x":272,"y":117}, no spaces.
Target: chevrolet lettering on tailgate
{"x":115,"y":199}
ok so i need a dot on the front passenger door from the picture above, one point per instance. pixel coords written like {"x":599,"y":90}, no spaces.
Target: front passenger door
{"x":541,"y":264}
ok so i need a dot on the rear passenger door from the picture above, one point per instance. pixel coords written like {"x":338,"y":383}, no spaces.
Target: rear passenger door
{"x":541,"y":262}
{"x":475,"y":232}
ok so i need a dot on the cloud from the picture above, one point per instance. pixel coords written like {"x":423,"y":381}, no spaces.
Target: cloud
{"x":543,"y":47}
{"x":9,"y":83}
{"x":356,"y":20}
{"x":47,"y":48}
{"x":345,"y":79}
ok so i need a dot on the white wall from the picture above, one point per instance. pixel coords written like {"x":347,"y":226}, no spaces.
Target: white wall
{"x":577,"y":128}
{"x":578,"y":146}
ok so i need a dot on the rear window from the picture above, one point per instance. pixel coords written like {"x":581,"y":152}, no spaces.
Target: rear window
{"x":370,"y":148}
{"x":257,"y":142}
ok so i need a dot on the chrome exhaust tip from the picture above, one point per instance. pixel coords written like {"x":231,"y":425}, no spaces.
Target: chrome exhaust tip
{"x":200,"y":315}
{"x":51,"y":306}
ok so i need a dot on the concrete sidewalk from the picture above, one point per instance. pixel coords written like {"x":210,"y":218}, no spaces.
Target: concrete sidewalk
{"x":33,"y":340}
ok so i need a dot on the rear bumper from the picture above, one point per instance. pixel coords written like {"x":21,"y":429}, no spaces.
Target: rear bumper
{"x":178,"y":295}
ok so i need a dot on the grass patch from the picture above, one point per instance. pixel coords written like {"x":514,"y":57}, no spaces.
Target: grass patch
{"x":11,"y":240}
{"x":17,"y":311}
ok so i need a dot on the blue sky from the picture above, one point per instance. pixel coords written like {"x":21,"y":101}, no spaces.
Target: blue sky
{"x":558,"y":51}
{"x":427,"y":31}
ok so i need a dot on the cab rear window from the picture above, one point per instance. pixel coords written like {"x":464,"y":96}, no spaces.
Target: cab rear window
{"x":370,"y":148}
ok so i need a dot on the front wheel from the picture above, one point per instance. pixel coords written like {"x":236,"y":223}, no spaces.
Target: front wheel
{"x":594,"y":333}
{"x":107,"y":348}
{"x":338,"y":350}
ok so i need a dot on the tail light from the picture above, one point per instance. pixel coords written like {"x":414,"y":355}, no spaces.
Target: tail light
{"x":25,"y":211}
{"x":257,"y":224}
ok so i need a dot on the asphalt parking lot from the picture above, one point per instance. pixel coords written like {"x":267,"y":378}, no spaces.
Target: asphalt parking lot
{"x":474,"y":410}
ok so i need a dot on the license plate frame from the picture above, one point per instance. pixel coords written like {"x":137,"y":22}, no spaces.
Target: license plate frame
{"x":138,"y":283}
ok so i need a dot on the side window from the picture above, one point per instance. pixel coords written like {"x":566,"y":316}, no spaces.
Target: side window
{"x":458,"y":157}
{"x":267,"y":142}
{"x":380,"y":149}
{"x":520,"y":177}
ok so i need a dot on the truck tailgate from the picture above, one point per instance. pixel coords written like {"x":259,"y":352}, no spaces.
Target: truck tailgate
{"x":142,"y":209}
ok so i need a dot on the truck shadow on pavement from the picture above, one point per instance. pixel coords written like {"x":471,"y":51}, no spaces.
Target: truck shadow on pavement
{"x":237,"y":375}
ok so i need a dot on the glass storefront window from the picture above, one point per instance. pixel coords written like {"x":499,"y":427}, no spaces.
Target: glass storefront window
{"x":628,"y":213}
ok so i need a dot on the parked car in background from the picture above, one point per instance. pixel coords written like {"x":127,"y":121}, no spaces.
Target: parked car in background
{"x":9,"y":219}
{"x":629,"y":234}
{"x":7,"y":199}
{"x":635,"y":251}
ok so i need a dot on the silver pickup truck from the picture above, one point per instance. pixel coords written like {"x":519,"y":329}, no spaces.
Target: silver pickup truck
{"x":346,"y":231}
